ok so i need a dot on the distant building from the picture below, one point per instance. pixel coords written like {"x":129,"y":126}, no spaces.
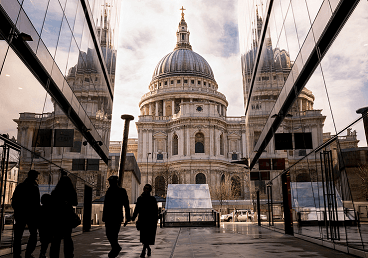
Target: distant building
{"x":132,"y":174}
{"x":184,"y":134}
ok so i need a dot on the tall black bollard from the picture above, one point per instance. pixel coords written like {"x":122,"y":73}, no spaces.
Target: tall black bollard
{"x":123,"y":151}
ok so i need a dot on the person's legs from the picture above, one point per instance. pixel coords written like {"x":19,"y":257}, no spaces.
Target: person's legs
{"x":143,"y":253}
{"x":32,"y":241}
{"x":112,"y":233}
{"x":44,"y":244}
{"x":68,"y":244}
{"x":55,"y":246}
{"x":19,"y":227}
{"x":148,"y":250}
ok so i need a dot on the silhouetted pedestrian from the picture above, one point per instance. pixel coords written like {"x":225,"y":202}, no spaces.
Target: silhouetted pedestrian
{"x":26,"y":205}
{"x":45,"y":224}
{"x":147,"y":211}
{"x":64,"y":197}
{"x":115,"y":198}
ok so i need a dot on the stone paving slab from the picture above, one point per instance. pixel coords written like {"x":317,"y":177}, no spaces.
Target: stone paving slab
{"x":239,"y":239}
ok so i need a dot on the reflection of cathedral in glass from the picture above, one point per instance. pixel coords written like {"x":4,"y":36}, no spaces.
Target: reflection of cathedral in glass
{"x":87,"y":81}
{"x":274,"y":68}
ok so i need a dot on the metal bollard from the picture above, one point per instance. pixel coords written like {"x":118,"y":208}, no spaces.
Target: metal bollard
{"x":127,"y":119}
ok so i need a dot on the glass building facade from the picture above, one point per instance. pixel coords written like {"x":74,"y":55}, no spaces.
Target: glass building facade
{"x":57,"y":74}
{"x":304,"y":70}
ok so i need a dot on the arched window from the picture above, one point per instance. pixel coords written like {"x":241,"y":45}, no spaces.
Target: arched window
{"x":222,"y":144}
{"x":223,"y":179}
{"x":199,"y":143}
{"x":175,"y":145}
{"x":175,"y":179}
{"x":160,"y":186}
{"x":200,"y":178}
{"x":235,"y":186}
{"x":303,"y":176}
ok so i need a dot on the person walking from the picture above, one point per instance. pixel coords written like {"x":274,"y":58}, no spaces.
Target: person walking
{"x":116,"y":197}
{"x":26,"y":205}
{"x":63,"y":198}
{"x":147,"y":211}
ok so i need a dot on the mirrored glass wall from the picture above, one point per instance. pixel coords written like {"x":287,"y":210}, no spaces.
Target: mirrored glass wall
{"x":305,"y":90}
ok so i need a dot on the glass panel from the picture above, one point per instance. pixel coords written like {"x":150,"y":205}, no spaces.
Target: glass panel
{"x":3,"y":50}
{"x":44,"y":56}
{"x":62,"y":50}
{"x":20,"y":97}
{"x":333,"y":4}
{"x":11,"y":8}
{"x":24,"y":26}
{"x":301,"y":19}
{"x":57,"y":76}
{"x":78,"y":25}
{"x":313,"y":8}
{"x":188,"y":197}
{"x":36,"y":11}
{"x":321,"y":20}
{"x":62,"y":3}
{"x":70,"y":11}
{"x":51,"y":28}
{"x":291,"y":36}
{"x":72,"y":65}
{"x":345,"y":74}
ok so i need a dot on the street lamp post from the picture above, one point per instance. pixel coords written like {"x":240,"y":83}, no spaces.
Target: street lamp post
{"x":149,"y":153}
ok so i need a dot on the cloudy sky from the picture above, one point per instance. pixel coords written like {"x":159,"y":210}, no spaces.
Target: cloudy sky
{"x":148,"y":33}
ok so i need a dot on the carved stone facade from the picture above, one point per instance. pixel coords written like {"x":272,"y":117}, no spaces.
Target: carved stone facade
{"x":184,"y":135}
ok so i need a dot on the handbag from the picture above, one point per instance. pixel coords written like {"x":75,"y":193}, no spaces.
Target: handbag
{"x":75,"y":221}
{"x":138,"y":225}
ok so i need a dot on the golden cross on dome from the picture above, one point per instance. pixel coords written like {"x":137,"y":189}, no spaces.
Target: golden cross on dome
{"x":182,"y":12}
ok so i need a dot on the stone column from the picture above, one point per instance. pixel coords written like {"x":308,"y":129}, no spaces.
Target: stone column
{"x":244,"y":144}
{"x":211,"y":142}
{"x":144,"y":143}
{"x":150,"y":143}
{"x":173,"y":107}
{"x":181,"y":143}
{"x":156,"y":108}
{"x":188,"y":142}
{"x":150,"y":109}
{"x":164,"y":108}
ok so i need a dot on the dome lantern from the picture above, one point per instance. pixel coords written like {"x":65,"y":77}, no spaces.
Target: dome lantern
{"x":183,"y":61}
{"x":182,"y":34}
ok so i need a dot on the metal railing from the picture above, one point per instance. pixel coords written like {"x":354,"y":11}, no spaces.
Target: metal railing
{"x":190,"y":219}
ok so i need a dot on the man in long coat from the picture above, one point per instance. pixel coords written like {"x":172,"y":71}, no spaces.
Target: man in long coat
{"x":116,"y":197}
{"x":26,"y":205}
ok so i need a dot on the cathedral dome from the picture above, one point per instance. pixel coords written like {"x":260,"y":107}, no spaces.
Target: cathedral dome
{"x":182,"y":61}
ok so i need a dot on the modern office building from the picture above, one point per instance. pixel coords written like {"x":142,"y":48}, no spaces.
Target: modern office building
{"x":57,"y":74}
{"x":305,"y":84}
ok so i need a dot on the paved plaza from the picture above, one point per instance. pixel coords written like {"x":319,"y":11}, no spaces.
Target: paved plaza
{"x":238,"y":239}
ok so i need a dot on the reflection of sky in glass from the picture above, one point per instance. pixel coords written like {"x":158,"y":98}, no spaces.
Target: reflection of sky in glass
{"x":63,"y":46}
{"x":345,"y":74}
{"x":23,"y":93}
{"x":35,"y":10}
{"x":51,"y":27}
{"x":188,"y":196}
{"x":309,"y":194}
